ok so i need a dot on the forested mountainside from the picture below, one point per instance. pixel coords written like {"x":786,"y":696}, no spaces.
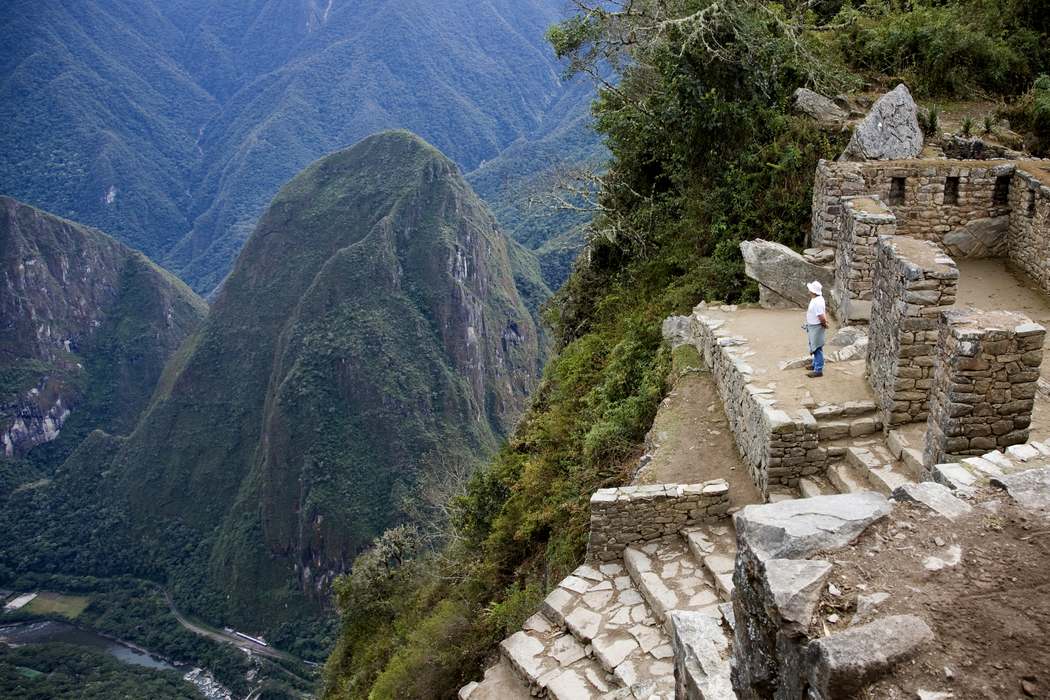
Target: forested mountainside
{"x":171,"y":123}
{"x":370,"y":344}
{"x":706,"y":153}
{"x":87,"y":326}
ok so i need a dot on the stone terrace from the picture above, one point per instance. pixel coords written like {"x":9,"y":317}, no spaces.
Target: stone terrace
{"x":856,"y":578}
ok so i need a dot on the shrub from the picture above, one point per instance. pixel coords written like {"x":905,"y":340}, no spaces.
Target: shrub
{"x":930,"y":120}
{"x":950,"y":48}
{"x":1031,"y":114}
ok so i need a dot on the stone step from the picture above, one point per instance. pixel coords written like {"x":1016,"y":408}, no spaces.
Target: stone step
{"x":847,"y":411}
{"x":501,"y":682}
{"x":912,"y":461}
{"x":553,"y":663}
{"x":845,"y":478}
{"x":888,"y":477}
{"x":669,"y":578}
{"x":604,"y":612}
{"x":974,"y":471}
{"x":811,"y":486}
{"x":715,"y":546}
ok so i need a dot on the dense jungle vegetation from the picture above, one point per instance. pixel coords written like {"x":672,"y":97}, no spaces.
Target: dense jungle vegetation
{"x":704,"y":153}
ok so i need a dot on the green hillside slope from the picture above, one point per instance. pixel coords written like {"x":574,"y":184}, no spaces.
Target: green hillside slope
{"x":88,"y":326}
{"x":172,"y":124}
{"x":371,"y":331}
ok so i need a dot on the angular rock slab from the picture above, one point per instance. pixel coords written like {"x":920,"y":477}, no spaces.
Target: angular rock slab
{"x":934,"y":496}
{"x":796,"y":585}
{"x":843,"y":663}
{"x":1030,"y":488}
{"x":782,"y":273}
{"x":890,"y":131}
{"x":980,"y":238}
{"x":817,"y":106}
{"x":798,"y":529}
{"x":701,"y":657}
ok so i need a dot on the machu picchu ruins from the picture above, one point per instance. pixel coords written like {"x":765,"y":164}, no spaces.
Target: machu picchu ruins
{"x":880,"y":532}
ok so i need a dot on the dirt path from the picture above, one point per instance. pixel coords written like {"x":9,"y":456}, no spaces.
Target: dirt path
{"x":691,"y":442}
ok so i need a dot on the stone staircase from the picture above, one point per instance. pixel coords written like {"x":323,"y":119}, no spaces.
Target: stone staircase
{"x":867,"y":462}
{"x":971,"y":472}
{"x":605,"y":631}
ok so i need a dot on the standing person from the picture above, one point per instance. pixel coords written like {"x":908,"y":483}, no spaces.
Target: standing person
{"x":816,"y":325}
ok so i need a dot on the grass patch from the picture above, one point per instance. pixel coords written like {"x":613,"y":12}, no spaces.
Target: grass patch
{"x":68,"y":606}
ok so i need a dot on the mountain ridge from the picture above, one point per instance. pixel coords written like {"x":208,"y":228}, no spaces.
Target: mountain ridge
{"x":171,"y":125}
{"x":370,"y":330}
{"x":90,"y":324}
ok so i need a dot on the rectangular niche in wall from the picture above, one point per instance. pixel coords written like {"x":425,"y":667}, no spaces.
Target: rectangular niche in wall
{"x":951,"y":190}
{"x":1030,"y":209}
{"x":897,"y":190}
{"x":1001,"y":194}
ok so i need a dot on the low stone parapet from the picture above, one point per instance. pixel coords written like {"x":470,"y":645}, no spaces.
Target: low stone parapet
{"x":630,"y":515}
{"x":778,"y":448}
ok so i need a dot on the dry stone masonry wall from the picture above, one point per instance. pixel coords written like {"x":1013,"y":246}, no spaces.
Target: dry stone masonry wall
{"x":985,"y":384}
{"x":1029,"y":242}
{"x":779,"y":449}
{"x":963,"y":205}
{"x":864,"y":219}
{"x":914,"y":283}
{"x":633,"y":515}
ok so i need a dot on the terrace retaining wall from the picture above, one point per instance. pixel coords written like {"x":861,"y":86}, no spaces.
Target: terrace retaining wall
{"x":630,"y":515}
{"x":1029,"y":240}
{"x":777,"y":448}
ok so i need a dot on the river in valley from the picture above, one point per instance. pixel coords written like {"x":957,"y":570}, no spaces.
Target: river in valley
{"x":52,"y":632}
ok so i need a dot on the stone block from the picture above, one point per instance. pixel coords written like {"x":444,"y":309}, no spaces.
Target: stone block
{"x":841,"y":664}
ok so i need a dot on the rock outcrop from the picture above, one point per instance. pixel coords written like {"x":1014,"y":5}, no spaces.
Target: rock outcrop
{"x":818,"y":107}
{"x":88,"y":324}
{"x":890,"y":130}
{"x":782,"y":274}
{"x":980,"y":238}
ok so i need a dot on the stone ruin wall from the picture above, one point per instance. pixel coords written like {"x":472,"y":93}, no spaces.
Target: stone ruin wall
{"x":777,"y":448}
{"x":632,"y":515}
{"x":914,"y":282}
{"x":864,"y":220}
{"x":1029,"y":240}
{"x":974,"y":226}
{"x":985,"y":383}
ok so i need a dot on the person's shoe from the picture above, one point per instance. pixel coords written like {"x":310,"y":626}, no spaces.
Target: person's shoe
{"x":814,"y":374}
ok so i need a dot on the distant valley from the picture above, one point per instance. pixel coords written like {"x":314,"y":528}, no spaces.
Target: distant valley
{"x":170,"y":125}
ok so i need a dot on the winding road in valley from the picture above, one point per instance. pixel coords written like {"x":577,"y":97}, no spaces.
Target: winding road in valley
{"x":226,"y":637}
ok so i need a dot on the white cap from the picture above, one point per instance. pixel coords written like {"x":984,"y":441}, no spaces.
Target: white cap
{"x":815,"y":287}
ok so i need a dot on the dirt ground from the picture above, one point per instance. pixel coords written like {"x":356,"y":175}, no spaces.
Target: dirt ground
{"x":775,"y":335}
{"x":990,"y":613}
{"x":690,"y":441}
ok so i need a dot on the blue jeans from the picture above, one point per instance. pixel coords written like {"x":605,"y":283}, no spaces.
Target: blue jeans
{"x":818,"y":360}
